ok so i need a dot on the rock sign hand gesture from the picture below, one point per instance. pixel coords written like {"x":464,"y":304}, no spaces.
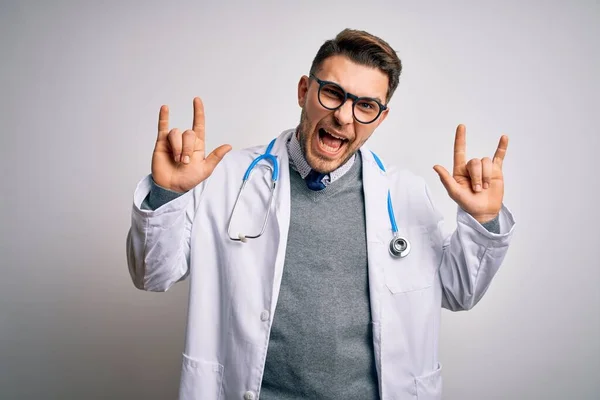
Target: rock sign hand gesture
{"x":476,"y":186}
{"x":178,"y":160}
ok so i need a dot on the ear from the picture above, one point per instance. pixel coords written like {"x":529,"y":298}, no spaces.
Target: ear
{"x":302,"y":90}
{"x":383,"y":116}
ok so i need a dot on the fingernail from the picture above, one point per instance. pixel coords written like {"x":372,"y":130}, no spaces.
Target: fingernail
{"x":176,"y":159}
{"x":186,"y":159}
{"x":478,"y":188}
{"x":486,"y":185}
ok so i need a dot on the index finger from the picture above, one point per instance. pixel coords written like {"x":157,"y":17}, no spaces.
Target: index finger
{"x":501,"y":151}
{"x":163,"y":122}
{"x":460,"y":147}
{"x":198,"y":125}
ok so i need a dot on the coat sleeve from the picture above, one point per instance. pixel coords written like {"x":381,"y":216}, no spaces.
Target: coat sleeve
{"x":158,"y":241}
{"x":471,"y":256}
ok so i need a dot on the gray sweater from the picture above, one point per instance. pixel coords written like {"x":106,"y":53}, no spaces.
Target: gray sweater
{"x":321,"y":344}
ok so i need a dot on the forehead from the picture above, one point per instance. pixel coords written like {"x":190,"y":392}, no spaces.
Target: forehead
{"x":354,"y":78}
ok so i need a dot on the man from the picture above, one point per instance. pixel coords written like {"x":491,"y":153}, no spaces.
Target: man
{"x":307,"y":296}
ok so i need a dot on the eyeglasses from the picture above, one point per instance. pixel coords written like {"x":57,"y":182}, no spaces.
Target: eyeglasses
{"x":332,"y":96}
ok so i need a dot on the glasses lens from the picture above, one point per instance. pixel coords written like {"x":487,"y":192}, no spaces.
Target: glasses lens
{"x":331,"y":96}
{"x":366,"y":110}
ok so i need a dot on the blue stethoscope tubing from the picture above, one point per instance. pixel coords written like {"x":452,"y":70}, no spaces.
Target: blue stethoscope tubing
{"x":399,"y":246}
{"x":266,"y":156}
{"x":274,"y":177}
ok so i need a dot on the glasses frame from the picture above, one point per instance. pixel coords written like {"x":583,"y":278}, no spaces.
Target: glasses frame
{"x":347,"y":95}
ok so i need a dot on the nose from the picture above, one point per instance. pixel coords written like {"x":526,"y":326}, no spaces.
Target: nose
{"x":343,"y":115}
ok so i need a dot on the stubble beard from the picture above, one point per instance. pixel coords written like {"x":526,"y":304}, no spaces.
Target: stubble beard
{"x":315,"y":161}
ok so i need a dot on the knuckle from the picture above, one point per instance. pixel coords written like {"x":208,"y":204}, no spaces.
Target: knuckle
{"x":173,"y":133}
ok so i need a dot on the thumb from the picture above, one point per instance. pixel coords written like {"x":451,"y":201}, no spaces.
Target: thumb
{"x":447,"y":180}
{"x":216,"y":156}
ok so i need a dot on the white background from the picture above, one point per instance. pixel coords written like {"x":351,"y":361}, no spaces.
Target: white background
{"x":80,"y":89}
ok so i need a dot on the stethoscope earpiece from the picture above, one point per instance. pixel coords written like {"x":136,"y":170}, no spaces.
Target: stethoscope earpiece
{"x":399,"y":247}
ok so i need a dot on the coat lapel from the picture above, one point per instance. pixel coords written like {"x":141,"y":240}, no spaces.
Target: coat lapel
{"x":281,"y":209}
{"x":379,"y":231}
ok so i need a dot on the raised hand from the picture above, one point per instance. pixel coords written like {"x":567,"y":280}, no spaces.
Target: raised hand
{"x":477,"y":186}
{"x":178,"y":160}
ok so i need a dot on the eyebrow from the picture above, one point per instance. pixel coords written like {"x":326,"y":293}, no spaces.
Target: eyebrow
{"x":370,"y":97}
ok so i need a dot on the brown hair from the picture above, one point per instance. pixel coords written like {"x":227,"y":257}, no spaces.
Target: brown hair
{"x":365,"y":49}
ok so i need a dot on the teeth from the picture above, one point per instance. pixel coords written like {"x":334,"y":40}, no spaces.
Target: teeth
{"x":337,"y":137}
{"x":327,"y":147}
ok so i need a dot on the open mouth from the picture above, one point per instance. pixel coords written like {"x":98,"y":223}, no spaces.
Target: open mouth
{"x":330,"y":143}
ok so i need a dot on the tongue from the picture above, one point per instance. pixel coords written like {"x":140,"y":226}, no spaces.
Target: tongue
{"x":331,"y":141}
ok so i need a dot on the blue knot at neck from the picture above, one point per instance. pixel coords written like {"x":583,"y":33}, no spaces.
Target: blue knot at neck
{"x":314,"y":180}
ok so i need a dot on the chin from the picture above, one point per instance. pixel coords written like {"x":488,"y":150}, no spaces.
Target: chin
{"x":322,"y":165}
{"x":319,"y":159}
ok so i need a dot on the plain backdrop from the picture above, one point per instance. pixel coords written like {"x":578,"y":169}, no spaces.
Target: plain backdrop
{"x":81,"y":84}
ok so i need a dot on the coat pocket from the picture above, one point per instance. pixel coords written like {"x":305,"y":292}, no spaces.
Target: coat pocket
{"x":417,"y":270}
{"x":429,"y":386}
{"x":200,"y":379}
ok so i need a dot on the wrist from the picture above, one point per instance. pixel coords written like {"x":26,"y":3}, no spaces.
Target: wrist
{"x":483,"y":218}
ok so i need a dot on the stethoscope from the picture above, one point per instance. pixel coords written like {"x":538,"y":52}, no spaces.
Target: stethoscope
{"x":399,"y":246}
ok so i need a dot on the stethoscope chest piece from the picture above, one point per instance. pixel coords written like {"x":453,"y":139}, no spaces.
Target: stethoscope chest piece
{"x":399,"y":247}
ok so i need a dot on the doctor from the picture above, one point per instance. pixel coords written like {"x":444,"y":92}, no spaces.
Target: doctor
{"x":339,"y":296}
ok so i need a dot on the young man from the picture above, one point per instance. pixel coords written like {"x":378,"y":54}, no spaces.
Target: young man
{"x":326,"y":277}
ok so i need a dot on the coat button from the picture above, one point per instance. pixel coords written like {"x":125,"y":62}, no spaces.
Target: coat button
{"x":264,"y":315}
{"x":249,"y":395}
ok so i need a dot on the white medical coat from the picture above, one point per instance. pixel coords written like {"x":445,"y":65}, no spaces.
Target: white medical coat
{"x":234,"y":286}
